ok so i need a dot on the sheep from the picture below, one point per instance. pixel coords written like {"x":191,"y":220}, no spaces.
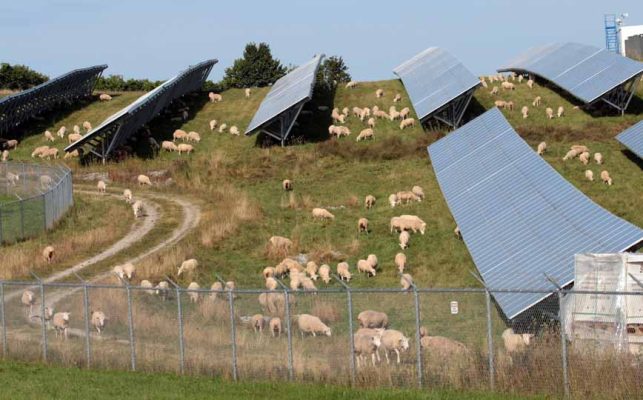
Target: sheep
{"x":169,"y":146}
{"x":185,"y":148}
{"x":324,"y":273}
{"x":286,"y":185}
{"x":589,"y":175}
{"x":129,"y":270}
{"x":118,"y":271}
{"x":230,"y":286}
{"x":163,"y":290}
{"x":406,"y":123}
{"x":101,"y":186}
{"x":457,"y":233}
{"x":520,"y":78}
{"x":39,"y":150}
{"x":61,"y":323}
{"x":397,"y":98}
{"x":234,"y":130}
{"x":494,"y":91}
{"x":379,"y":93}
{"x":215,"y":289}
{"x":46,"y":181}
{"x":484,"y":83}
{"x":393,"y":200}
{"x":311,"y":270}
{"x":49,"y":153}
{"x":369,"y":201}
{"x":5,"y":155}
{"x":275,"y":326}
{"x":343,"y":272}
{"x":366,"y":267}
{"x":404,"y":113}
{"x":49,"y":137}
{"x":336,"y":116}
{"x":104,"y":97}
{"x":308,"y":284}
{"x":510,"y":105}
{"x":514,"y":342}
{"x":137,"y":208}
{"x":406,"y":281}
{"x":148,"y":285}
{"x":605,"y":177}
{"x":560,"y":112}
{"x":193,"y":137}
{"x":584,"y":158}
{"x":500,"y":103}
{"x":194,"y":296}
{"x":28,"y":300}
{"x":393,"y":340}
{"x":362,"y":225}
{"x":223,"y":128}
{"x":542,"y":147}
{"x":508,"y":86}
{"x":214,"y":97}
{"x":74,"y":137}
{"x":381,"y":114}
{"x":365,"y":134}
{"x":48,"y":254}
{"x":179,"y":134}
{"x":213,"y":124}
{"x":280,"y":243}
{"x":530,"y":83}
{"x":407,"y":197}
{"x":87,"y":126}
{"x":357,"y":112}
{"x":397,"y":224}
{"x":258,"y":323}
{"x":400,"y":262}
{"x":598,"y":157}
{"x":414,"y":223}
{"x":443,"y":348}
{"x":371,"y":123}
{"x":188,"y":266}
{"x":418,"y":191}
{"x":570,"y":154}
{"x":549,"y":113}
{"x":248,"y":92}
{"x":12,"y":178}
{"x":394,"y":115}
{"x":311,"y":324}
{"x":268,"y":272}
{"x":365,"y":345}
{"x":76,"y":129}
{"x":525,"y":112}
{"x":271,"y":283}
{"x":322,"y":213}
{"x":351,"y":85}
{"x":99,"y":321}
{"x":61,"y":132}
{"x":72,"y":154}
{"x":579,"y":148}
{"x":536,"y":102}
{"x":372,"y":319}
{"x":295,"y":281}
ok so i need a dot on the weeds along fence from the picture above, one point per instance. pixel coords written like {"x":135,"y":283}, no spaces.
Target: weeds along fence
{"x":33,"y":197}
{"x":210,"y":332}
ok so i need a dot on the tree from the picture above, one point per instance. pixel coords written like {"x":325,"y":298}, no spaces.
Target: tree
{"x":256,"y":68}
{"x":332,"y":71}
{"x":19,"y":77}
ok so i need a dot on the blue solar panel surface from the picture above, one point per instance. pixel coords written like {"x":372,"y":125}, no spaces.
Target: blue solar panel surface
{"x":433,"y":78}
{"x":632,"y":138}
{"x":518,"y":217}
{"x":288,"y":91}
{"x":586,"y":72}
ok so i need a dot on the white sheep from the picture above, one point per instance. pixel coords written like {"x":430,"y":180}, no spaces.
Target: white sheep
{"x":362,"y":225}
{"x":5,"y":155}
{"x":12,"y":178}
{"x":379,"y":93}
{"x":542,"y":147}
{"x":530,"y":83}
{"x":194,"y":296}
{"x":570,"y":154}
{"x":536,"y":102}
{"x":38,"y":151}
{"x":343,"y":271}
{"x":286,"y":185}
{"x":584,"y":158}
{"x":49,"y":136}
{"x":74,"y":137}
{"x":560,"y":112}
{"x":508,"y":86}
{"x":366,"y":267}
{"x":407,"y":197}
{"x":234,"y":130}
{"x":214,"y":97}
{"x":308,"y":284}
{"x":28,"y":300}
{"x":179,"y":134}
{"x":48,"y":254}
{"x":169,"y":146}
{"x":406,"y":281}
{"x":324,"y":273}
{"x":393,"y":340}
{"x":598,"y":157}
{"x":49,"y":153}
{"x":322,"y":213}
{"x":163,"y":290}
{"x":258,"y":323}
{"x":185,"y":148}
{"x":248,"y":92}
{"x":223,"y":127}
{"x":129,"y":270}
{"x":144,"y":180}
{"x":148,"y":285}
{"x":357,"y":112}
{"x":372,"y":319}
{"x":87,"y":126}
{"x":215,"y":289}
{"x":400,"y":262}
{"x":406,"y":123}
{"x":99,"y":320}
{"x":101,"y":186}
{"x":271,"y":283}
{"x":525,"y":112}
{"x":76,"y":129}
{"x":72,"y":154}
{"x":104,"y":97}
{"x":371,"y":122}
{"x":393,"y":200}
{"x":188,"y":266}
{"x":137,"y":208}
{"x":61,"y":323}
{"x":605,"y":177}
{"x":494,"y":91}
{"x":414,"y":223}
{"x":351,"y":85}
{"x":589,"y":175}
{"x":549,"y":113}
{"x":418,"y":191}
{"x":364,"y":346}
{"x":514,"y":342}
{"x":365,"y":134}
{"x":311,"y":270}
{"x":579,"y":148}
{"x":369,"y":201}
{"x":193,"y":137}
{"x":275,"y":326}
{"x":268,"y":272}
{"x":404,"y":113}
{"x":397,"y":98}
{"x":213,"y":124}
{"x":311,"y":324}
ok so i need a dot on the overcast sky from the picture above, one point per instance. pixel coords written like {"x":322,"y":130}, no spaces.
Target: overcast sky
{"x":157,"y":38}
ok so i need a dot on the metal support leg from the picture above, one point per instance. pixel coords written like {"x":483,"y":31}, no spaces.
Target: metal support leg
{"x":563,"y":342}
{"x":233,"y":336}
{"x":492,"y":373}
{"x":418,"y":341}
{"x":181,"y":340}
{"x":88,"y":350}
{"x":4,"y":321}
{"x":130,"y":323}
{"x":43,"y":322}
{"x":289,"y":331}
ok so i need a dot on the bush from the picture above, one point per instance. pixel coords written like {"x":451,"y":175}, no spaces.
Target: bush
{"x":19,"y":77}
{"x":116,"y":83}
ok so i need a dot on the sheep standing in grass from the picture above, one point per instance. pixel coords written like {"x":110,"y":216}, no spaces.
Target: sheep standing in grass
{"x":579,"y":148}
{"x":351,"y":85}
{"x":87,"y":126}
{"x":71,"y":154}
{"x":393,"y":340}
{"x":144,"y":180}
{"x":102,"y":187}
{"x":104,"y":97}
{"x":74,"y":137}
{"x":500,"y":103}
{"x":286,"y":185}
{"x":379,"y":93}
{"x":525,"y":112}
{"x":12,"y":178}
{"x":570,"y":154}
{"x":185,"y":148}
{"x":364,"y":346}
{"x":188,"y":266}
{"x":343,"y":271}
{"x":234,"y":130}
{"x":193,"y":137}
{"x":45,"y":182}
{"x":598,"y":157}
{"x":49,"y":137}
{"x":400,"y":262}
{"x":549,"y":113}
{"x":61,"y":323}
{"x":560,"y":112}
{"x":61,"y":132}
{"x":366,"y":267}
{"x":392,"y":200}
{"x":268,"y":272}
{"x":406,"y":281}
{"x":508,"y":86}
{"x":128,"y":271}
{"x":418,"y":191}
{"x":99,"y":320}
{"x":248,"y":92}
{"x":213,"y":124}
{"x":514,"y":342}
{"x":48,"y":254}
{"x":137,"y":208}
{"x":397,"y":98}
{"x":584,"y":158}
{"x":405,"y":237}
{"x":406,"y":123}
{"x":589,"y":175}
{"x":28,"y":300}
{"x":215,"y":289}
{"x":371,"y":122}
{"x":38,"y":151}
{"x":163,"y":290}
{"x":494,"y":90}
{"x":605,"y":177}
{"x":179,"y":134}
{"x":5,"y":155}
{"x":536,"y":102}
{"x":404,"y":113}
{"x":322,"y":213}
{"x":258,"y":323}
{"x":194,"y":296}
{"x":324,"y":273}
{"x":271,"y":283}
{"x":148,"y":285}
{"x":530,"y":83}
{"x":214,"y":97}
{"x":372,"y":319}
{"x":311,"y":270}
{"x":50,"y":153}
{"x":76,"y":129}
{"x":169,"y":146}
{"x":369,"y":201}
{"x":362,"y":225}
{"x":313,"y":325}
{"x":275,"y":326}
{"x":223,"y":128}
{"x":407,"y":197}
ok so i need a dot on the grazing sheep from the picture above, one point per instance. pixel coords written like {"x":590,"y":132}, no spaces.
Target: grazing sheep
{"x":268,"y":272}
{"x":213,"y":124}
{"x":364,"y":346}
{"x":394,"y":115}
{"x":351,"y":85}
{"x":322,"y":213}
{"x":500,"y":103}
{"x":406,"y":281}
{"x":514,"y":342}
{"x":137,"y":208}
{"x":104,"y":97}
{"x":179,"y":135}
{"x":39,"y":150}
{"x":393,"y":200}
{"x":579,"y":148}
{"x":418,"y":191}
{"x":379,"y":93}
{"x":46,"y":181}
{"x":589,"y":175}
{"x":48,"y":254}
{"x":215,"y":289}
{"x":223,"y":128}
{"x":99,"y":321}
{"x":570,"y":154}
{"x":248,"y":92}
{"x":286,"y":184}
{"x":271,"y":283}
{"x":61,"y":323}
{"x":169,"y":146}
{"x":101,"y":186}
{"x":536,"y":102}
{"x":49,"y":137}
{"x":393,"y":340}
{"x":188,"y":266}
{"x":275,"y":326}
{"x":366,"y":267}
{"x":185,"y":148}
{"x":74,"y":137}
{"x":484,"y":83}
{"x":234,"y":130}
{"x":128,"y":271}
{"x":525,"y":112}
{"x":311,"y":324}
{"x":443,"y":348}
{"x":371,"y":122}
{"x":214,"y":97}
{"x":163,"y":290}
{"x":494,"y":91}
{"x":406,"y":123}
{"x":598,"y":157}
{"x":369,"y":201}
{"x":71,"y":154}
{"x":530,"y":83}
{"x":407,"y":197}
{"x":49,"y":153}
{"x":61,"y":132}
{"x":87,"y":126}
{"x":343,"y":272}
{"x":76,"y":129}
{"x":397,"y":98}
{"x":311,"y":270}
{"x":11,"y":144}
{"x":605,"y":177}
{"x":28,"y":300}
{"x":372,"y":319}
{"x":280,"y":243}
{"x":193,"y":137}
{"x":365,"y":134}
{"x":457,"y":233}
{"x":258,"y":323}
{"x":584,"y":158}
{"x":194,"y":296}
{"x":549,"y":112}
{"x":560,"y":112}
{"x":5,"y":155}
{"x":510,"y":105}
{"x":381,"y":114}
{"x":400,"y":262}
{"x":12,"y":178}
{"x":230,"y":286}
{"x":148,"y":285}
{"x":362,"y":225}
{"x":414,"y":223}
{"x":404,"y":113}
{"x":144,"y":180}
{"x":308,"y":284}
{"x":542,"y":147}
{"x":324,"y":273}
{"x":508,"y":86}
{"x":118,"y":271}
{"x":295,"y":281}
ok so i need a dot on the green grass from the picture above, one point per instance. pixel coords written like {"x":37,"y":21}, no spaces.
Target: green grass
{"x":22,"y":381}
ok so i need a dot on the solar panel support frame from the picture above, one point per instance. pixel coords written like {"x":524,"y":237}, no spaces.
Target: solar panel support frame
{"x":286,"y":122}
{"x":620,"y":97}
{"x":452,"y":112}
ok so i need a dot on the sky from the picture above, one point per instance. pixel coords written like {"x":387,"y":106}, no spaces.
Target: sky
{"x":156,"y":39}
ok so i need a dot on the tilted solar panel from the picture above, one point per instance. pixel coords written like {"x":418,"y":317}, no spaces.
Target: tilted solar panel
{"x":518,"y":217}
{"x":433,"y":78}
{"x":586,"y":72}
{"x":632,"y":138}
{"x":293,"y":89}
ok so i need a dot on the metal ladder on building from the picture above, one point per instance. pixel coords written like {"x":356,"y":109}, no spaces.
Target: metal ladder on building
{"x":611,"y":33}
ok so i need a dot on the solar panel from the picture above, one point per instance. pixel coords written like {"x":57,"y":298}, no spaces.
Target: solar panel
{"x":119,"y":127}
{"x":433,"y":79}
{"x":288,"y":93}
{"x":632,"y":138}
{"x":20,"y":107}
{"x":586,"y":72}
{"x":518,"y":217}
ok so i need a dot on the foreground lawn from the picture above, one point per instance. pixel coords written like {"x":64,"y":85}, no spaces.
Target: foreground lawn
{"x":23,"y":381}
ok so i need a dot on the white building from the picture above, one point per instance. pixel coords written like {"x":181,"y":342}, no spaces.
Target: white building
{"x":626,"y":32}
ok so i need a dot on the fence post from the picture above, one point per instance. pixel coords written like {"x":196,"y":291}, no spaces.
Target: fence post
{"x":180,"y":323}
{"x":130,"y":323}
{"x":492,"y":372}
{"x":44,"y":211}
{"x":1,"y":230}
{"x":4,"y":322}
{"x":22,"y":219}
{"x":349,"y":305}
{"x":233,"y":335}
{"x":563,"y":343}
{"x":418,"y":339}
{"x":291,"y":373}
{"x":88,"y":351}
{"x":42,"y":317}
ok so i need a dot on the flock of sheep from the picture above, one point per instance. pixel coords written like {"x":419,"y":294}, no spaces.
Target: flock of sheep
{"x":583,"y":154}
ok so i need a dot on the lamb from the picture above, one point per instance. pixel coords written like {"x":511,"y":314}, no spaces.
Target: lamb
{"x":61,"y":132}
{"x":365,"y":345}
{"x":101,"y":186}
{"x":366,"y":267}
{"x":179,"y":134}
{"x":311,"y":270}
{"x":104,"y":97}
{"x":185,"y":148}
{"x":322,"y":213}
{"x":188,"y":266}
{"x":542,"y":147}
{"x":525,"y":112}
{"x":584,"y":158}
{"x":598,"y":157}
{"x":248,"y":92}
{"x":324,"y":273}
{"x":49,"y":137}
{"x":508,"y":86}
{"x":494,"y":91}
{"x":39,"y":150}
{"x":570,"y":154}
{"x":74,"y":137}
{"x":311,"y":324}
{"x":536,"y":102}
{"x":61,"y":323}
{"x":549,"y":112}
{"x":137,"y":208}
{"x":362,"y":225}
{"x":369,"y":201}
{"x":223,"y":127}
{"x":28,"y":300}
{"x":365,"y":134}
{"x":605,"y":177}
{"x":213,"y":124}
{"x":214,"y":97}
{"x":99,"y":321}
{"x":87,"y":126}
{"x":351,"y":85}
{"x":530,"y":83}
{"x":271,"y":283}
{"x":406,"y":281}
{"x":169,"y":146}
{"x":71,"y":154}
{"x":46,"y":182}
{"x":258,"y":323}
{"x":12,"y":178}
{"x":194,"y":296}
{"x":286,"y":184}
{"x":393,"y":340}
{"x":275,"y":326}
{"x":400,"y":262}
{"x":514,"y":342}
{"x":372,"y":319}
{"x":397,"y":98}
{"x":234,"y":130}
{"x":343,"y":272}
{"x":406,"y":123}
{"x":393,"y":200}
{"x":48,"y":254}
{"x":589,"y":175}
{"x":5,"y":155}
{"x":193,"y":137}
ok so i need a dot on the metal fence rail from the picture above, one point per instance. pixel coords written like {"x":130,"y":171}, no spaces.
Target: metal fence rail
{"x":456,"y":338}
{"x":33,"y":197}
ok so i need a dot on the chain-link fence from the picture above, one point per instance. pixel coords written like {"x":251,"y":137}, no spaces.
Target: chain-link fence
{"x":33,"y":197}
{"x":446,"y":338}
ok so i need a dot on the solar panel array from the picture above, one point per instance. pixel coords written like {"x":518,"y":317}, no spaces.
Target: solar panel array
{"x":291,"y":90}
{"x":118,"y":128}
{"x":632,"y":138}
{"x":518,"y":217}
{"x":67,"y":88}
{"x":586,"y":72}
{"x":433,"y":78}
